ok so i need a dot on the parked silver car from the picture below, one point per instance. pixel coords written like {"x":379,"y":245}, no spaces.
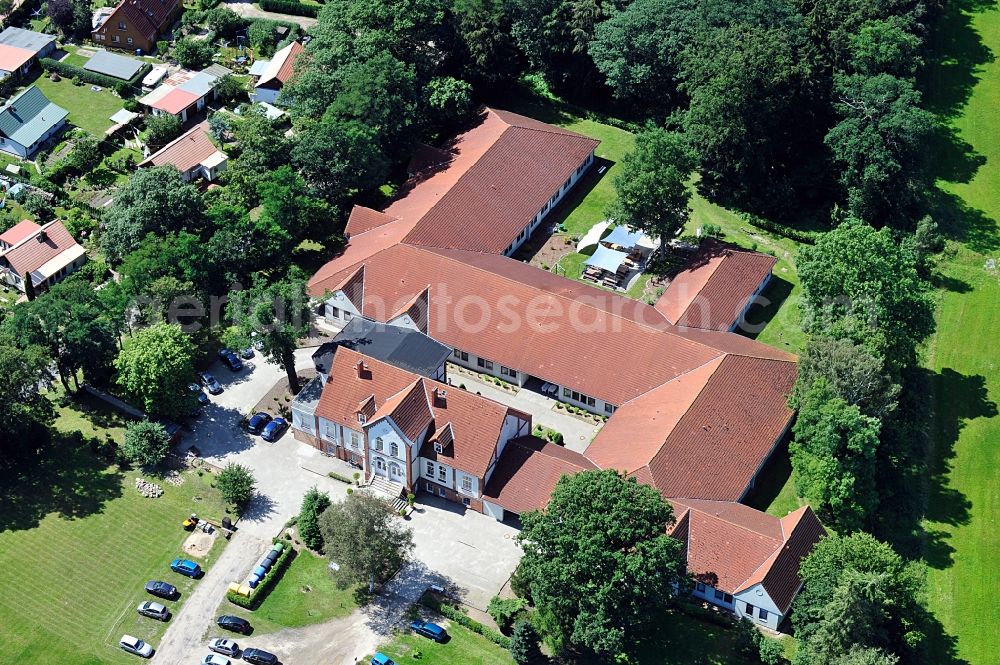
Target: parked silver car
{"x":153,"y":610}
{"x":136,"y":646}
{"x":223,"y":646}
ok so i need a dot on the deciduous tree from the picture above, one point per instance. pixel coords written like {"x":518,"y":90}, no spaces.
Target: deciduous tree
{"x":236,"y":484}
{"x":146,"y":443}
{"x":155,"y":366}
{"x":599,"y":563}
{"x":339,"y":158}
{"x":851,"y":371}
{"x":833,"y":455}
{"x":362,"y":534}
{"x":652,"y":191}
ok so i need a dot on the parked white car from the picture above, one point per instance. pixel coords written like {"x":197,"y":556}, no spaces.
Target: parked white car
{"x":136,"y":646}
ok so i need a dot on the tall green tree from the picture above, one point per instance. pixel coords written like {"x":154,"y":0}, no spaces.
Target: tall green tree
{"x":236,"y":484}
{"x":880,"y":144}
{"x":598,"y":562}
{"x":833,"y":454}
{"x":861,"y":284}
{"x":155,"y":366}
{"x":154,"y":200}
{"x":524,"y":647}
{"x":896,"y":615}
{"x":651,"y":187}
{"x":638,"y":51}
{"x":339,"y":158}
{"x":851,"y":371}
{"x":25,"y":412}
{"x":277,"y":315}
{"x":363,"y":535}
{"x":486,"y":54}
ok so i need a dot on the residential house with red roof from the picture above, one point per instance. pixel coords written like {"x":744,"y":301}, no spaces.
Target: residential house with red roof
{"x":47,"y":253}
{"x":269,"y":76}
{"x":136,"y":24}
{"x":411,"y":432}
{"x":745,"y":560}
{"x":184,"y":93}
{"x":192,"y":153}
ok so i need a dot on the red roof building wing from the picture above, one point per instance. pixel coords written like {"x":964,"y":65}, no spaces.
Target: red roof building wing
{"x":704,"y":435}
{"x":36,"y":250}
{"x":175,"y":101}
{"x":186,"y":151}
{"x":714,"y":291}
{"x":780,"y":576}
{"x":528,"y":472}
{"x":15,"y":234}
{"x":495,"y":198}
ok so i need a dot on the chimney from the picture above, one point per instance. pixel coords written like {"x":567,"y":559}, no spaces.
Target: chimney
{"x":440,"y":397}
{"x":42,"y":236}
{"x":362,"y":368}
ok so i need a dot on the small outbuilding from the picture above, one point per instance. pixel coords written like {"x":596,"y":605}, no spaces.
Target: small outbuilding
{"x":113,"y":65}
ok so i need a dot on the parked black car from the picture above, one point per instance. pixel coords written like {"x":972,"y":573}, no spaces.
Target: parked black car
{"x":161,"y":589}
{"x":235,"y":624}
{"x":259,"y":657}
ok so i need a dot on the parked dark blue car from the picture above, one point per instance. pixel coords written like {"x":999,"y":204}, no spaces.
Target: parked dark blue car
{"x":161,"y":589}
{"x":258,"y":422}
{"x":428,"y":629}
{"x":274,"y":429}
{"x":185,"y":567}
{"x":230,"y":359}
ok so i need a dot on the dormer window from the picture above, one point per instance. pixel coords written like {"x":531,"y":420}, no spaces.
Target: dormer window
{"x":362,"y":418}
{"x":437,"y":447}
{"x":121,"y":25}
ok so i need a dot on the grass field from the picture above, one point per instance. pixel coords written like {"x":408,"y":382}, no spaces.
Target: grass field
{"x":77,"y":543}
{"x":306,"y":594}
{"x":464,"y":647}
{"x":963,"y":543}
{"x":88,"y":109}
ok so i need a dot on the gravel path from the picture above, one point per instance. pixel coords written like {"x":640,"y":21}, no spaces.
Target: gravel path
{"x":247,"y":9}
{"x":183,"y":639}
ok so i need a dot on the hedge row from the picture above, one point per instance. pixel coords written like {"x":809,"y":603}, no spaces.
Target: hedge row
{"x":72,"y":71}
{"x":289,"y":7}
{"x":790,"y":232}
{"x":463,"y":619}
{"x":258,"y":595}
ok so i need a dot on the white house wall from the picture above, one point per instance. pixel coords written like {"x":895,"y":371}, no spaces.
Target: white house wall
{"x":304,"y":421}
{"x":343,"y":304}
{"x":759,"y":599}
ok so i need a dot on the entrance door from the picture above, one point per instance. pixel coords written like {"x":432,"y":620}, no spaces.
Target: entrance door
{"x":395,"y":473}
{"x":379,"y":467}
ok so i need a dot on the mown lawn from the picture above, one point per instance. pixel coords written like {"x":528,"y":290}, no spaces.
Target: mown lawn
{"x":963,"y":542}
{"x":77,"y":544}
{"x":463,"y":648}
{"x":687,"y":640}
{"x":88,"y":109}
{"x":307,"y":593}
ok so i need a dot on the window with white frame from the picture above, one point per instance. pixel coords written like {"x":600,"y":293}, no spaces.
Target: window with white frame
{"x":429,"y":469}
{"x":763,"y":614}
{"x":329,"y":431}
{"x":442,"y":473}
{"x":378,"y":443}
{"x":749,"y":610}
{"x":355,"y":441}
{"x":394,"y":449}
{"x":362,"y":418}
{"x":466,"y":484}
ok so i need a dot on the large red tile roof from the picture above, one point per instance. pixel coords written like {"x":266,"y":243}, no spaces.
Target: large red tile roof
{"x":282,"y":66}
{"x":714,"y":290}
{"x":733,"y":547}
{"x":364,"y":219}
{"x":528,"y":472}
{"x":147,"y":16}
{"x":39,"y":248}
{"x":705,"y":434}
{"x":475,"y":422}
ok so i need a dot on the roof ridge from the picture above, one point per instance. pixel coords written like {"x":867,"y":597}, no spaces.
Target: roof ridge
{"x":720,"y":358}
{"x":736,"y":524}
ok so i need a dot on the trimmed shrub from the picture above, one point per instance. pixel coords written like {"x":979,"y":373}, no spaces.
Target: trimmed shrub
{"x":289,"y":7}
{"x":505,"y":611}
{"x":337,"y":476}
{"x":272,"y":577}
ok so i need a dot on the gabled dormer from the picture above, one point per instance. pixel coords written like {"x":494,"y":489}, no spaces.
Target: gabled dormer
{"x":415,"y":313}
